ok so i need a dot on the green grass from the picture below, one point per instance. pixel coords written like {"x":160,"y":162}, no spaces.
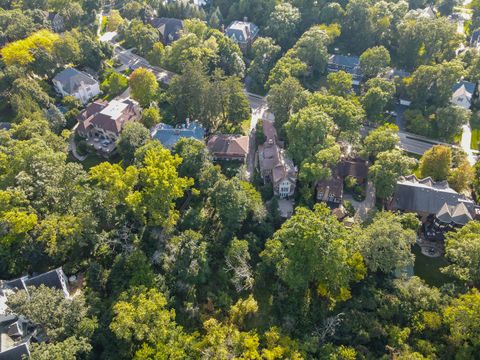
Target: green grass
{"x":91,"y":161}
{"x":428,"y":268}
{"x":475,"y":139}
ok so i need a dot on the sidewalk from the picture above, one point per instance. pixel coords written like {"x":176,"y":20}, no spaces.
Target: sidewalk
{"x":465,"y":144}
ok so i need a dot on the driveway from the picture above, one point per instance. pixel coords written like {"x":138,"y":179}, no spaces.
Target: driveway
{"x":366,"y":205}
{"x":465,"y":144}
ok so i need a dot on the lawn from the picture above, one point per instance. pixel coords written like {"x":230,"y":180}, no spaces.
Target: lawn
{"x":475,"y":139}
{"x":91,"y":161}
{"x":428,"y":268}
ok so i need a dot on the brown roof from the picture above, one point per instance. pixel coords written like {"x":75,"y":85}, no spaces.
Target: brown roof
{"x":94,"y":116}
{"x":331,"y":186}
{"x":356,"y":168}
{"x":229,"y":145}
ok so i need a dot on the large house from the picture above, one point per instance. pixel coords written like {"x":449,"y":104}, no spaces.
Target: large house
{"x":16,"y":332}
{"x":169,"y":28}
{"x":349,"y":64}
{"x":243,"y":33}
{"x":330,"y":190}
{"x":229,"y":147}
{"x":462,"y":94}
{"x":275,"y":166}
{"x":440,"y":207}
{"x":77,"y":84}
{"x":102,"y":122}
{"x":169,"y":135}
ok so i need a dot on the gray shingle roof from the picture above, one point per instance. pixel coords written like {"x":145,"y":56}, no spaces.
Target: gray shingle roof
{"x":169,"y":135}
{"x":71,"y":79}
{"x":15,"y":353}
{"x":169,"y":28}
{"x":426,"y":196}
{"x":241,"y":31}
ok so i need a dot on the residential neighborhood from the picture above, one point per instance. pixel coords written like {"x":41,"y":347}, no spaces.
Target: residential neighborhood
{"x":249,"y":179}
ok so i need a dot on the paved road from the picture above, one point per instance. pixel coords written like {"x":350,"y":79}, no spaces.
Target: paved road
{"x":465,"y":144}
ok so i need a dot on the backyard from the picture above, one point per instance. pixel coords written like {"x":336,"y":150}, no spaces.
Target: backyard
{"x":428,"y":268}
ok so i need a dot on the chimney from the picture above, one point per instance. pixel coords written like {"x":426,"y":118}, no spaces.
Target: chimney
{"x":245,"y":19}
{"x":247,"y":31}
{"x":187,"y":122}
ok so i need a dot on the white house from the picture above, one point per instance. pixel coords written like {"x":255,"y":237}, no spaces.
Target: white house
{"x":462,"y":94}
{"x":76,"y":83}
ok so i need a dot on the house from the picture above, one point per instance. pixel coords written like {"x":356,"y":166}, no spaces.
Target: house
{"x":427,"y":13}
{"x":76,"y":83}
{"x":243,"y":33}
{"x":54,"y":279}
{"x":169,"y":28}
{"x":102,"y":122}
{"x":330,"y":190}
{"x":18,"y":352}
{"x":440,"y":207}
{"x":57,"y":22}
{"x":169,"y":135}
{"x":275,"y":167}
{"x":15,"y":330}
{"x":347,"y":63}
{"x":229,"y":147}
{"x":356,"y":168}
{"x":462,"y":94}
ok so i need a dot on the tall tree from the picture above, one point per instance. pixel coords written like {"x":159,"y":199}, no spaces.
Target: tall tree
{"x":283,"y":23}
{"x":143,"y":86}
{"x":374,"y":60}
{"x":436,"y":162}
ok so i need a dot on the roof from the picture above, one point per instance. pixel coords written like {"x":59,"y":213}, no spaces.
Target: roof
{"x":16,"y":353}
{"x":272,"y":158}
{"x":344,"y":60}
{"x":5,"y":126}
{"x":169,"y":135}
{"x":169,"y":28}
{"x":356,"y":168}
{"x":229,"y":145}
{"x":109,"y":116}
{"x":463,"y":88}
{"x":475,"y":38}
{"x":72,"y":79}
{"x":242,"y":31}
{"x":427,"y":196}
{"x":52,"y":279}
{"x":331,"y":186}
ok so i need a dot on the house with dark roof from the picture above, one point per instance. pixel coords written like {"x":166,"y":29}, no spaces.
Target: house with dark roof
{"x":229,"y":147}
{"x":102,"y":122}
{"x":18,"y":352}
{"x":274,"y":165}
{"x":243,"y":33}
{"x":330,"y":190}
{"x":462,"y":94}
{"x":169,"y":135}
{"x":169,"y":28}
{"x":54,"y":279}
{"x":79,"y":84}
{"x":436,"y":203}
{"x":347,"y":63}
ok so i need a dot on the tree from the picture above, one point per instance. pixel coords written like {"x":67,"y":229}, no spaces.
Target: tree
{"x":151,"y":117}
{"x":383,"y":138}
{"x":284,"y":99}
{"x":237,"y":262}
{"x":114,"y":20}
{"x":339,"y":83}
{"x":385,"y":244}
{"x":462,"y":318}
{"x":69,"y":349}
{"x":55,"y":119}
{"x":357,"y":26}
{"x":143,"y":86}
{"x":149,"y":332}
{"x":133,"y":136}
{"x":307,"y":132}
{"x":462,"y":177}
{"x":195,"y":157}
{"x":265,"y":52}
{"x":374,"y":60}
{"x":115,"y":84}
{"x":155,"y":55}
{"x":312,"y":250}
{"x":311,"y":48}
{"x":66,"y":49}
{"x":388,"y":167}
{"x":462,"y":249}
{"x":56,"y":316}
{"x":436,"y":162}
{"x":449,"y":121}
{"x":379,"y":94}
{"x":283,"y":23}
{"x":140,"y":36}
